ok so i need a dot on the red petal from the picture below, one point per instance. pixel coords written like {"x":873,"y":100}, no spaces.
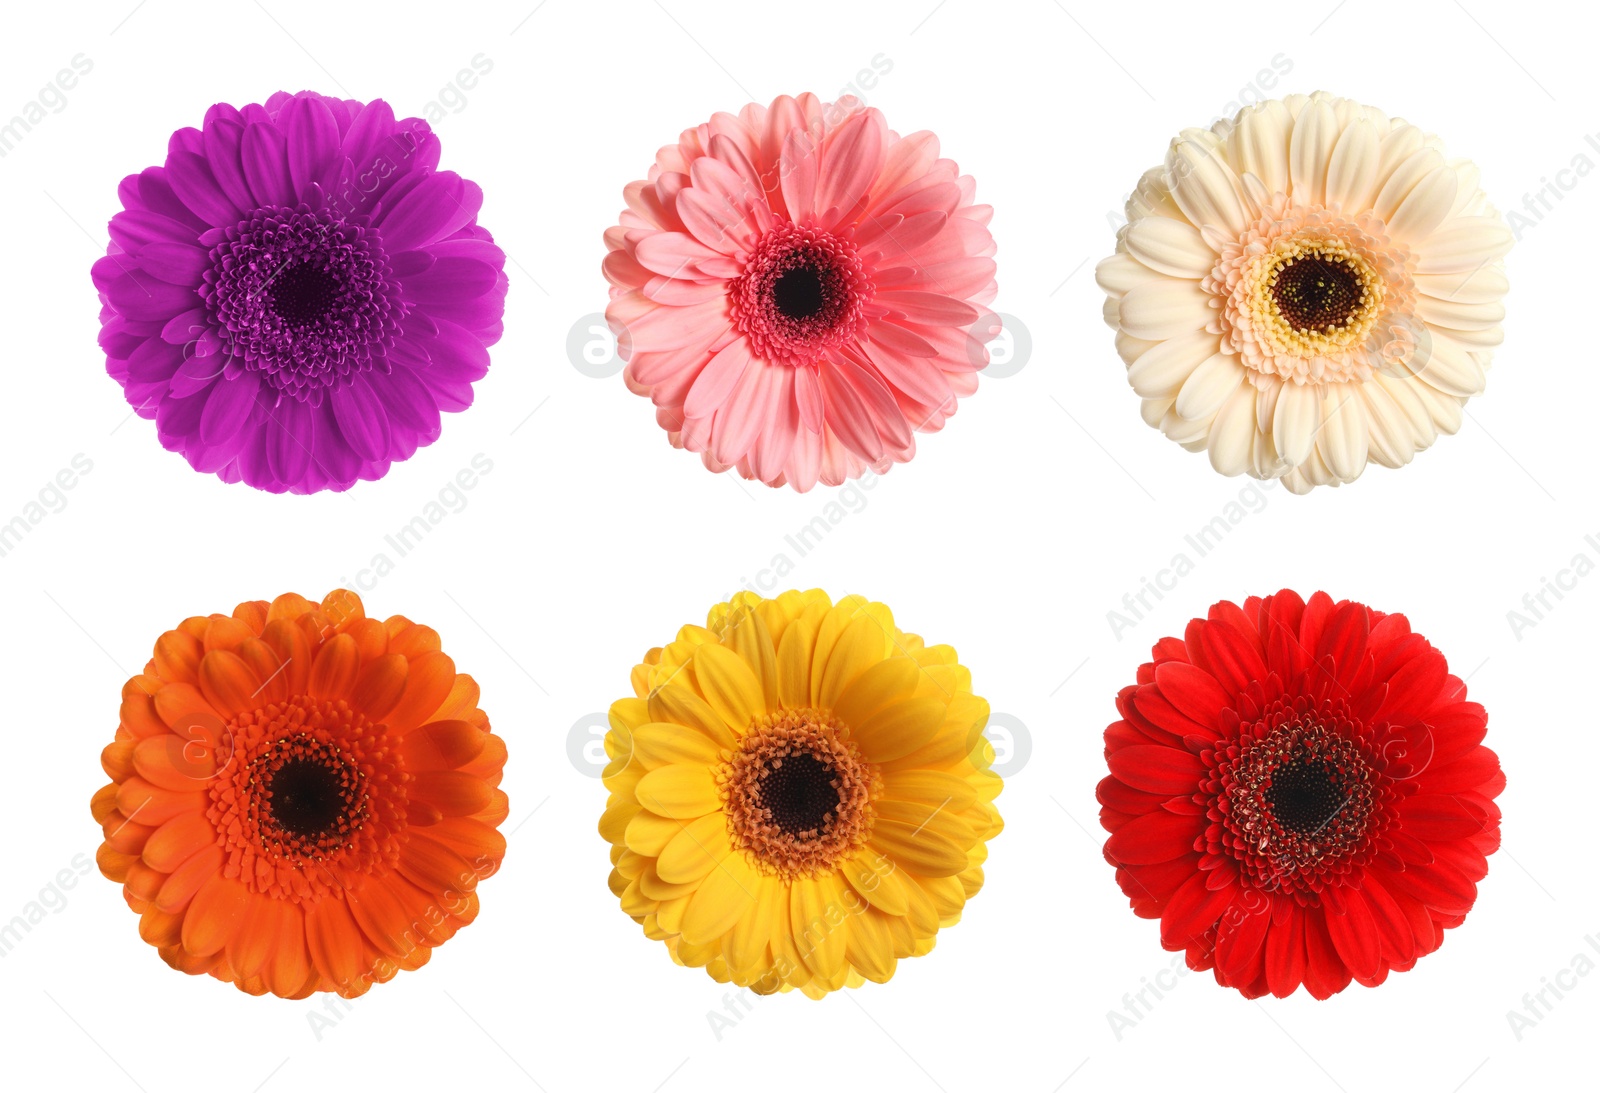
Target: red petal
{"x":1196,"y":694}
{"x":1191,"y":914}
{"x":1156,"y":769}
{"x":1155,"y":838}
{"x":1286,"y":953}
{"x":1355,"y":935}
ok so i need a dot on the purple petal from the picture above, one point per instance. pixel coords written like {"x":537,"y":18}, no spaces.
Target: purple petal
{"x":450,"y":280}
{"x":313,"y":138}
{"x":289,"y":440}
{"x":194,"y":184}
{"x":228,"y":408}
{"x":223,"y":138}
{"x":422,"y":215}
{"x":174,"y":263}
{"x":362,"y":418}
{"x":264,"y":156}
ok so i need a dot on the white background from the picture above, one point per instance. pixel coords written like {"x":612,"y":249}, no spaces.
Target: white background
{"x":1010,"y":536}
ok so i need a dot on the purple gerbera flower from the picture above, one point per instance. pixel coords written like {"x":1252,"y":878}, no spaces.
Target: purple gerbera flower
{"x":298,"y":292}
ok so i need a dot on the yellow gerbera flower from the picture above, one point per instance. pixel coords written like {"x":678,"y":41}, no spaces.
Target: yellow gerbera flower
{"x":800,"y":793}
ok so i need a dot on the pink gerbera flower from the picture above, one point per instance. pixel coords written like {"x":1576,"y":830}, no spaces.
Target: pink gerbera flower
{"x":800,"y":290}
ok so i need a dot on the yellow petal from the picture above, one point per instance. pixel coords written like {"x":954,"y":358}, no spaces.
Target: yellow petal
{"x":860,"y":647}
{"x":869,"y":946}
{"x":680,"y":791}
{"x":727,"y":892}
{"x":900,"y":729}
{"x":729,"y":685}
{"x":657,"y":745}
{"x":875,"y":879}
{"x":695,"y":850}
{"x":887,"y":681}
{"x":932,"y":787}
{"x":794,"y":664}
{"x":922,"y":851}
{"x":816,"y":919}
{"x":649,"y":834}
{"x":678,"y":705}
{"x":748,"y":636}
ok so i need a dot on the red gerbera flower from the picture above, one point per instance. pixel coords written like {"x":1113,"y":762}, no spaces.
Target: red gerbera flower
{"x":1300,"y":794}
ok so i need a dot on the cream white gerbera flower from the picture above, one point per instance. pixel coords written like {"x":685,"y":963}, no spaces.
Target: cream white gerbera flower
{"x":1305,"y":289}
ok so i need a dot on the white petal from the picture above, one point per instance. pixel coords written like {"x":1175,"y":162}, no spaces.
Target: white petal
{"x":1353,"y":168}
{"x":1117,"y":274}
{"x":1260,"y":144}
{"x":1233,"y":433}
{"x":1443,"y":409}
{"x":1389,"y":439}
{"x":1449,"y":367}
{"x":1403,"y":394}
{"x":1425,"y":207}
{"x":1165,"y":308}
{"x":1131,"y":349}
{"x":1160,"y":371}
{"x":1209,"y":386}
{"x":1294,"y":421}
{"x":1464,"y":244}
{"x":1411,"y":171}
{"x":1486,"y":284}
{"x":1173,"y":247}
{"x":1342,"y":436}
{"x":1460,"y":315}
{"x":1153,"y":410}
{"x":1310,"y":147}
{"x":1205,"y":187}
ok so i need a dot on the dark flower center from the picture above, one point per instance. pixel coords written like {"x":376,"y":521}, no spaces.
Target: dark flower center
{"x":303,"y":298}
{"x":1300,"y":800}
{"x":1317,"y":293}
{"x":304,"y":294}
{"x":799,"y":792}
{"x":1305,"y":795}
{"x":802,"y":292}
{"x":797,"y":293}
{"x":309,"y":797}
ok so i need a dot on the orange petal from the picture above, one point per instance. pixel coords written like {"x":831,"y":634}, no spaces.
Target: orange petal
{"x":226,"y":633}
{"x":252,"y":943}
{"x":229,"y":684}
{"x":177,"y":840}
{"x":173,"y":763}
{"x":334,"y":942}
{"x":116,"y":759}
{"x":382,"y":918}
{"x":290,"y":605}
{"x":288,"y":969}
{"x":180,"y":888}
{"x":413,"y":641}
{"x":253,"y":613}
{"x":442,"y":745}
{"x":380,"y":685}
{"x":428,"y":682}
{"x":343,"y":608}
{"x":138,"y":715}
{"x":177,"y":656}
{"x":293,"y":649}
{"x":263,"y":660}
{"x":334,"y":672}
{"x":140,"y":800}
{"x":452,"y":792}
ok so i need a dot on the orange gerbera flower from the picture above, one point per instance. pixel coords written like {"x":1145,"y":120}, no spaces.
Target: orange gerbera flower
{"x":302,"y":798}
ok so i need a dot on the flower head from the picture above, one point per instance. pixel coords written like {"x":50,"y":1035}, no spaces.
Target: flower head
{"x":800,"y":290}
{"x":1299,"y":792}
{"x":1305,"y":289}
{"x":800,"y":793}
{"x":298,"y":292}
{"x":302,"y":798}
